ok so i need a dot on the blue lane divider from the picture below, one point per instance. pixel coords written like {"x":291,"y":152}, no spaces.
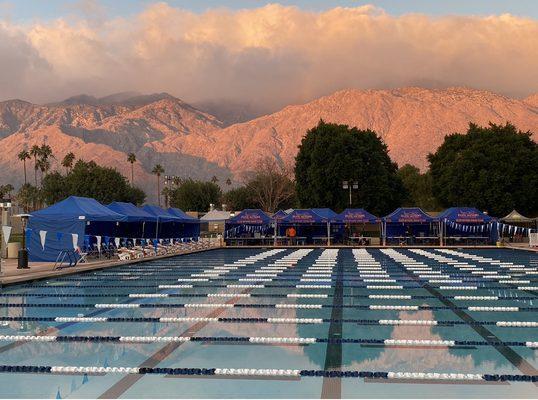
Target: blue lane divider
{"x":281,"y":305}
{"x":90,"y":319}
{"x":265,"y":340}
{"x":267,"y":372}
{"x":260,"y":295}
{"x":265,"y":285}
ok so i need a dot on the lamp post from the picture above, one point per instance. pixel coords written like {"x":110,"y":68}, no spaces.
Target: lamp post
{"x":23,"y":252}
{"x":350,"y":185}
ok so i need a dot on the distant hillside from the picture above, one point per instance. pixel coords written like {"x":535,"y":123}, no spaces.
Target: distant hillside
{"x":160,"y":128}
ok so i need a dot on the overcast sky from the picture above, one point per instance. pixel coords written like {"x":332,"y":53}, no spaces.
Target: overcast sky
{"x":268,"y":54}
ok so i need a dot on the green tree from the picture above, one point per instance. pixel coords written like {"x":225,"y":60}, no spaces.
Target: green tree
{"x":29,"y":197}
{"x":88,"y":179}
{"x":158,"y":170}
{"x":418,"y":188}
{"x":239,"y":198}
{"x":131,"y":158}
{"x":54,"y":188}
{"x":135,"y":195}
{"x":194,"y":195}
{"x":492,"y":168}
{"x":23,"y":156}
{"x":330,"y":154}
{"x":68,"y":161}
{"x":5,"y":190}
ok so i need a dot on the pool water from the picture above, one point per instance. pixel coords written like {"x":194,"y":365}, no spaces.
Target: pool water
{"x":277,"y":323}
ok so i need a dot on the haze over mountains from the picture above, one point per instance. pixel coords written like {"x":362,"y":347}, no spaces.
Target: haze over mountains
{"x":188,"y":142}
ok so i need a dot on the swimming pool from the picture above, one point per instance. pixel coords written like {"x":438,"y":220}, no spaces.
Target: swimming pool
{"x":279,"y":323}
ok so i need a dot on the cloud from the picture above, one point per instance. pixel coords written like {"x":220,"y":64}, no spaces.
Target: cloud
{"x":272,"y":56}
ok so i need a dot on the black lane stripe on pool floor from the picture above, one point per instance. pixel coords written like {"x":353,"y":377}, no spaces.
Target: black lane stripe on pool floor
{"x":514,"y":358}
{"x":332,"y":389}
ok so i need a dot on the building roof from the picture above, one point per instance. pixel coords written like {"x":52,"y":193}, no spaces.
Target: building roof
{"x":216,"y":216}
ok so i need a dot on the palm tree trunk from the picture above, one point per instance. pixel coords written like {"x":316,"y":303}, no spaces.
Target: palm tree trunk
{"x":35,"y":171}
{"x":24,"y":162}
{"x":132,"y":174}
{"x":159,"y":189}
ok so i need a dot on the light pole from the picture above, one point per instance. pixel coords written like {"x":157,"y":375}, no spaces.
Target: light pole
{"x":23,"y":253}
{"x":350,"y":185}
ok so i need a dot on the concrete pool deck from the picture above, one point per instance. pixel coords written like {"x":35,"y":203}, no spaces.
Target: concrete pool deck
{"x":41,"y":270}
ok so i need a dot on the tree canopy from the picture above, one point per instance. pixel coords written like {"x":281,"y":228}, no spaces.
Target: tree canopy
{"x":330,"y":154}
{"x":90,"y":180}
{"x":193,"y":195}
{"x":239,"y":198}
{"x":493,"y":168}
{"x":418,"y":188}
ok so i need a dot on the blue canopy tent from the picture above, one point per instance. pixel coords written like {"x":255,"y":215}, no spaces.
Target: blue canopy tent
{"x":67,"y":225}
{"x":309,"y":226}
{"x":167,"y":226}
{"x":356,"y":221}
{"x":249,"y":226}
{"x":279,"y":215}
{"x":140,"y":223}
{"x":407,"y":225}
{"x":467,"y":224}
{"x":190,"y":226}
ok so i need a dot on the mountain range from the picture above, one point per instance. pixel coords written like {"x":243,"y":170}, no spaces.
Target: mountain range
{"x":189,"y":142}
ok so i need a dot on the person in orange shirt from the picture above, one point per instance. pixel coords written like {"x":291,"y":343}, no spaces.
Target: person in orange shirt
{"x":291,"y":232}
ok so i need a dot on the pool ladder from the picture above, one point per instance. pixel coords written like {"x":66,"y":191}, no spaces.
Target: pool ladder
{"x":65,"y":256}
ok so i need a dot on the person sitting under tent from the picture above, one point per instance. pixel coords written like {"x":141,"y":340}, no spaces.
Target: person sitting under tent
{"x":291,"y":232}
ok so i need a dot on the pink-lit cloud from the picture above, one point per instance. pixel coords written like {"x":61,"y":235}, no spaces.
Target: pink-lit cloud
{"x":272,"y":55}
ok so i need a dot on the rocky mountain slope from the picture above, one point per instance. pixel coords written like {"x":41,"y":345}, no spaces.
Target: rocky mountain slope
{"x":160,"y":128}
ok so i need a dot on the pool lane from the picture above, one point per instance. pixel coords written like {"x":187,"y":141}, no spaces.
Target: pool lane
{"x":320,"y":296}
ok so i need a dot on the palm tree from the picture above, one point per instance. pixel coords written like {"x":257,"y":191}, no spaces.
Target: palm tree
{"x":44,"y":165}
{"x":214,"y":179}
{"x":67,"y":162}
{"x":158,"y":170}
{"x":45,"y":151}
{"x":228,"y":181}
{"x":23,"y":156}
{"x":131,"y":157}
{"x":35,"y":151}
{"x":166,"y":193}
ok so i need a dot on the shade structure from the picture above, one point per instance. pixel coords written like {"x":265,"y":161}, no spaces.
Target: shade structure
{"x":250,"y":216}
{"x":249,"y":222}
{"x":465,"y":215}
{"x":467,"y":222}
{"x":183,"y":215}
{"x":67,"y":225}
{"x":408,"y":223}
{"x":515,"y":217}
{"x":307,"y":223}
{"x":280,"y":214}
{"x":356,"y":216}
{"x":167,"y":225}
{"x":325,"y":212}
{"x":189,"y":225}
{"x":140,"y":223}
{"x":411,"y":215}
{"x":132,"y":212}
